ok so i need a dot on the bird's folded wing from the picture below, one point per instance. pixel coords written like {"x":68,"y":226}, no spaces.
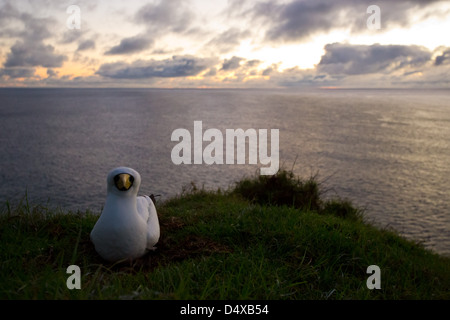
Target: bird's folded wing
{"x":143,"y":205}
{"x":146,"y":205}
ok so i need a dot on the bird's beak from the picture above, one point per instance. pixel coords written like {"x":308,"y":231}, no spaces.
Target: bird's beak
{"x":123,"y":181}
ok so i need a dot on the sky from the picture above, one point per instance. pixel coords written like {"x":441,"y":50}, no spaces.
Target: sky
{"x":225,"y":43}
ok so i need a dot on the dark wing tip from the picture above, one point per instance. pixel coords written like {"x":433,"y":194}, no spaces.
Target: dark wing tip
{"x":152,"y":196}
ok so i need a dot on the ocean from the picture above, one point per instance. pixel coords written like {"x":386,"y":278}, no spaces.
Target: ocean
{"x":386,"y":150}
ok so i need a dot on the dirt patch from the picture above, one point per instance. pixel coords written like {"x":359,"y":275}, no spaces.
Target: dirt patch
{"x":171,"y":249}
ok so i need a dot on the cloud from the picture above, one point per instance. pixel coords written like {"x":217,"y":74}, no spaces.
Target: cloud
{"x":363,"y":59}
{"x":270,"y":69}
{"x":296,"y":77}
{"x":34,"y":34}
{"x":17,"y":72}
{"x":86,"y":45}
{"x":253,"y":63}
{"x":51,"y":73}
{"x":25,"y":25}
{"x":159,"y":19}
{"x":346,"y":65}
{"x":232,"y":64}
{"x":414,"y":72}
{"x":238,"y":70}
{"x":33,"y":54}
{"x":178,"y":66}
{"x":238,"y":8}
{"x":299,"y":20}
{"x":29,"y":50}
{"x":228,"y":40}
{"x":443,"y":58}
{"x":131,"y":45}
{"x":71,"y":36}
{"x":166,"y":16}
{"x":211,"y":73}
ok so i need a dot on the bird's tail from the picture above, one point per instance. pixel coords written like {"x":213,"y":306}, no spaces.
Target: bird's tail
{"x":153,"y":197}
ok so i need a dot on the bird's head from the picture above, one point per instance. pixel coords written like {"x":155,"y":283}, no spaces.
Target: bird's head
{"x":123,"y":181}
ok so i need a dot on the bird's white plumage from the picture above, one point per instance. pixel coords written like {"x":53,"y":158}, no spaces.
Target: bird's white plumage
{"x":128,"y":226}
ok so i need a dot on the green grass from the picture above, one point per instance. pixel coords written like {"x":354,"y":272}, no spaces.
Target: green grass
{"x":222,"y":245}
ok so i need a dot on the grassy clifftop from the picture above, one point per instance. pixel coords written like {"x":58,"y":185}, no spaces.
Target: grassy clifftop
{"x":268,"y":238}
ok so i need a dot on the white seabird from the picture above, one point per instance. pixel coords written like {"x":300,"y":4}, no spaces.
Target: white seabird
{"x":128,"y":226}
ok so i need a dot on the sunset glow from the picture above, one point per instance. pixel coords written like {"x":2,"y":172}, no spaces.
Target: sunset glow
{"x":222,"y":43}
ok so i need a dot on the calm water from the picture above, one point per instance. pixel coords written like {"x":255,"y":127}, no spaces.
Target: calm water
{"x":386,"y":150}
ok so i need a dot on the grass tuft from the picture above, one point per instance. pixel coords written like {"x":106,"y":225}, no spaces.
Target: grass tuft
{"x":283,"y":188}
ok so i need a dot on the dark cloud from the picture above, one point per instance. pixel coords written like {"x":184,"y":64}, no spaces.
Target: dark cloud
{"x":238,"y":69}
{"x":296,"y":77}
{"x":33,"y":54}
{"x":178,"y":66}
{"x":131,"y":45}
{"x":298,"y":20}
{"x":51,"y":73}
{"x":17,"y":72}
{"x":362,"y":59}
{"x":269,"y":70}
{"x":166,"y":16}
{"x":232,"y":64}
{"x":161,"y":51}
{"x":71,"y":36}
{"x":228,"y":40}
{"x":238,"y":8}
{"x":346,"y":65}
{"x":211,"y":73}
{"x":159,"y":19}
{"x":253,"y":63}
{"x":411,"y":73}
{"x":30,"y":50}
{"x":86,"y":45}
{"x":443,"y":58}
{"x":25,"y":25}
